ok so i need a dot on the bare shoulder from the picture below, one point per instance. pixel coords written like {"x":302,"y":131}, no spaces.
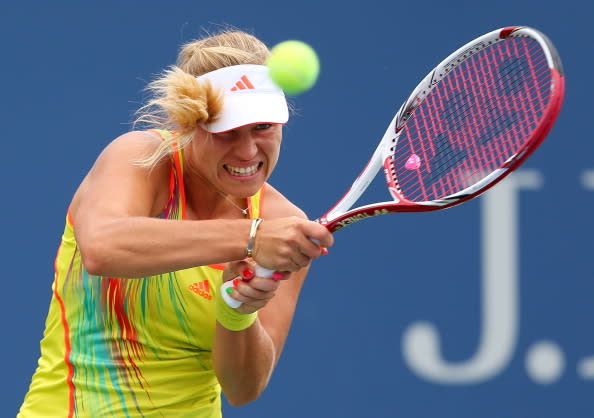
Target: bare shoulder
{"x":117,"y":170}
{"x":133,"y":143}
{"x":124,"y":157}
{"x":126,"y":153}
{"x":276,"y":205}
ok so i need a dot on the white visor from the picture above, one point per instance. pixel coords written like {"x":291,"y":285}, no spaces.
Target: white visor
{"x":249,"y":96}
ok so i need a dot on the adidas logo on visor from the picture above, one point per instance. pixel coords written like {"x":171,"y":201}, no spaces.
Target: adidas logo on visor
{"x":243,"y":84}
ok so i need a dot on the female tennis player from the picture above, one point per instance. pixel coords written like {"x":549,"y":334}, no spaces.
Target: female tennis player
{"x":137,"y":325}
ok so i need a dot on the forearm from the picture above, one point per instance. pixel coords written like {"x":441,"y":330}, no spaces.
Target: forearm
{"x":142,"y":246}
{"x":243,"y":362}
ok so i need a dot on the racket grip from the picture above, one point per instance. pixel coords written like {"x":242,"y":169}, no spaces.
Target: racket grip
{"x":233,"y":303}
{"x":263,"y":272}
{"x":260,"y":272}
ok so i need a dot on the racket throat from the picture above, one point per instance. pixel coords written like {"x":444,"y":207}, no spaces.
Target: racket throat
{"x":393,"y":186}
{"x":356,"y":190}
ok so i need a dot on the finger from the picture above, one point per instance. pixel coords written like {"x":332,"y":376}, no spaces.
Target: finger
{"x":248,"y":273}
{"x":290,"y":265}
{"x":253,"y":299}
{"x":242,"y":269}
{"x":314,"y":230}
{"x":260,"y":284}
{"x":311,"y":249}
{"x":300,"y":260}
{"x":255,"y":294}
{"x":281,"y":275}
{"x":250,"y":295}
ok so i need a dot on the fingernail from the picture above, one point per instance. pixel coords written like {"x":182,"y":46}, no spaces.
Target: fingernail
{"x":229,"y":290}
{"x":247,"y":274}
{"x":324,"y":250}
{"x":235,"y":282}
{"x":277,"y":275}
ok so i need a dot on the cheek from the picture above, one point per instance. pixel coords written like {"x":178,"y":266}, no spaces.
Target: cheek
{"x":273,"y":154}
{"x":207,"y":149}
{"x":276,"y":144}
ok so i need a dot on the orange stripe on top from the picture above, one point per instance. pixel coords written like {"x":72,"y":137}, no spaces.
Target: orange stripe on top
{"x":69,"y":217}
{"x":254,"y":203}
{"x":178,"y":160}
{"x":67,"y":347}
{"x":217,"y":266}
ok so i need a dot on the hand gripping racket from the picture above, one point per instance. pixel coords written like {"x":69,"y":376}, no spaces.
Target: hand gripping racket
{"x":469,"y":123}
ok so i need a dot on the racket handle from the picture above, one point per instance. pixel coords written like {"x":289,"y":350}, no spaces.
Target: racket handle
{"x":260,"y":272}
{"x":233,"y":303}
{"x":264,"y":272}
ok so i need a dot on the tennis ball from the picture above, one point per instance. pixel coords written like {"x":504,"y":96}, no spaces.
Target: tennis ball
{"x":294,"y":66}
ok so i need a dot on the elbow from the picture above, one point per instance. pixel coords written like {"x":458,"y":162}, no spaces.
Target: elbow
{"x":242,"y":392}
{"x":245,"y":396}
{"x":94,"y":259}
{"x":237,"y":402}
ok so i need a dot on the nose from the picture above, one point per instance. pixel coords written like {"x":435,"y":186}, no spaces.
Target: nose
{"x":246,"y":146}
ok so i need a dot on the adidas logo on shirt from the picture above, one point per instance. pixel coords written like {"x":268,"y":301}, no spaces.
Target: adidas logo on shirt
{"x":202,"y":289}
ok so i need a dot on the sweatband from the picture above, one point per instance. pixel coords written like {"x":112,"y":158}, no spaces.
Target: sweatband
{"x":229,"y":317}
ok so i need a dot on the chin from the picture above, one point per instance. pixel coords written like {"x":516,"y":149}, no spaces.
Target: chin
{"x":244,"y":191}
{"x":242,"y":187}
{"x":250,"y":192}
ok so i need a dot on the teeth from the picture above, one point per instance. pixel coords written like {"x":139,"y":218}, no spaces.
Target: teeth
{"x":242,"y":171}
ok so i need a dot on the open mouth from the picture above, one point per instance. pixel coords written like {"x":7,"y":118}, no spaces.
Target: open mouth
{"x":242,"y":171}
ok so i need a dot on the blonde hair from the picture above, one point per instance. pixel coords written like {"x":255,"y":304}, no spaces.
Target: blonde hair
{"x":179,"y":103}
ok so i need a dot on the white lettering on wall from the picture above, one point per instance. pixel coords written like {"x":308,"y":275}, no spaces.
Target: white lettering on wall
{"x":499,"y":295}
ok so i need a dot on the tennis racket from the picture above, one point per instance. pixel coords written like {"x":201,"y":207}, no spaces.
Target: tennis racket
{"x":469,"y":123}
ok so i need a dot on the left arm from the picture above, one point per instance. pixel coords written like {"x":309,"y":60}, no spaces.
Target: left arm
{"x":244,"y":360}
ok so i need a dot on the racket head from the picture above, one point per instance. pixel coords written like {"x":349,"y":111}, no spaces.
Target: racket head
{"x":469,"y":123}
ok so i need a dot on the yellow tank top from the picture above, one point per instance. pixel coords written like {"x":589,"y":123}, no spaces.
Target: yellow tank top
{"x":117,"y":347}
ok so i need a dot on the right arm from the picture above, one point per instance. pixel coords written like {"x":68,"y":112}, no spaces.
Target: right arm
{"x":113,"y":214}
{"x":114,"y":211}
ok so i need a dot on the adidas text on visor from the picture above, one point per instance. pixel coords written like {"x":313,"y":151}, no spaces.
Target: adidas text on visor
{"x":249,"y":96}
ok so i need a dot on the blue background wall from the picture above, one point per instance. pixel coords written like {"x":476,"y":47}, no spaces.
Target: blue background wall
{"x":515,"y":338}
